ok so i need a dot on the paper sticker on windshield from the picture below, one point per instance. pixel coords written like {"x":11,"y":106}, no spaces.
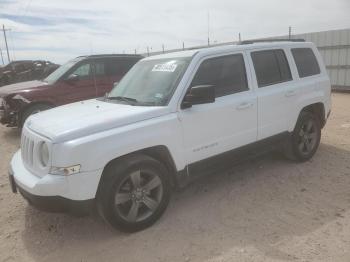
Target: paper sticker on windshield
{"x":164,"y":68}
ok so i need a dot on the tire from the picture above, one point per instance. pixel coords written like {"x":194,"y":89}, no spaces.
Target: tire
{"x":133,"y":193}
{"x":31,"y":110}
{"x":305,"y":139}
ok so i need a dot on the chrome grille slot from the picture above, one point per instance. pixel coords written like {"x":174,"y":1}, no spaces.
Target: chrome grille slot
{"x":27,"y":149}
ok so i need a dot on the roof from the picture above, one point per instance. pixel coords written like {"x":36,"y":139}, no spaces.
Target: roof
{"x":228,"y":48}
{"x":110,"y":55}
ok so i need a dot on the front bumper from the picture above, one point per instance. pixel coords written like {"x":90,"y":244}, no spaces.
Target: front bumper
{"x":9,"y":119}
{"x":53,"y":192}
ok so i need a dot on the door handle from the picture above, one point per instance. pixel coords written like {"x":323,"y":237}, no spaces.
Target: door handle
{"x":244,"y":105}
{"x":290,"y":93}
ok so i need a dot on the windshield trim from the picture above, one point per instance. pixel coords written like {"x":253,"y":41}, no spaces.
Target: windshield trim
{"x":74,"y":61}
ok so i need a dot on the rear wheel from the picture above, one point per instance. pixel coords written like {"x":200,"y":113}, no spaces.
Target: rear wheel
{"x":31,"y":110}
{"x":305,"y":139}
{"x":134,"y":193}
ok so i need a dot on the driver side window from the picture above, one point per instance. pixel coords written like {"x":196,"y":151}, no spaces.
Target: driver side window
{"x":83,"y":71}
{"x":226,"y":73}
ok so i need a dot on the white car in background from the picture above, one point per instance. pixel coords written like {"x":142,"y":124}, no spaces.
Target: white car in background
{"x":172,"y":118}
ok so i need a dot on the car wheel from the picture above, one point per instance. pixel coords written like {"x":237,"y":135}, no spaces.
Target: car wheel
{"x":34,"y":109}
{"x":305,"y":139}
{"x":134,"y":193}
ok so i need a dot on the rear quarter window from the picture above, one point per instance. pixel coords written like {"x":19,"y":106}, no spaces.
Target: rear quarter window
{"x":306,"y":62}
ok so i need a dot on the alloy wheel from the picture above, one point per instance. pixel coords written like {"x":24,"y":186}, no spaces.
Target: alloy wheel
{"x":307,"y":137}
{"x":138,"y":196}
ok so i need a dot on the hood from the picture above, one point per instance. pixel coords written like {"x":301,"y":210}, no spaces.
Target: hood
{"x":88,"y":117}
{"x":14,"y":88}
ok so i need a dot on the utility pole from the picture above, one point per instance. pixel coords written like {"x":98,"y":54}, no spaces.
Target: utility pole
{"x":208,"y":30}
{"x":163,"y":48}
{"x":183,"y":45}
{"x":7,"y":49}
{"x":147,"y":51}
{"x":290,"y":33}
{"x":2,"y":58}
{"x":239,"y":37}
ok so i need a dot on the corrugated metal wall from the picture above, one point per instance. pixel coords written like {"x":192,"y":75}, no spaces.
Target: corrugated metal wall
{"x":335,"y":49}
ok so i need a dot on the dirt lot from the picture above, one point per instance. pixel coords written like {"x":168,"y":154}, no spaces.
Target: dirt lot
{"x":269,"y":209}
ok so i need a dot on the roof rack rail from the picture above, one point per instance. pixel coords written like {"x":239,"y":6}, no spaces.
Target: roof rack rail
{"x":247,"y":42}
{"x":111,"y":55}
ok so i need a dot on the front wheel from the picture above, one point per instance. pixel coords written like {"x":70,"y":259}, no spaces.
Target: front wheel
{"x":305,"y":139}
{"x":134,"y":193}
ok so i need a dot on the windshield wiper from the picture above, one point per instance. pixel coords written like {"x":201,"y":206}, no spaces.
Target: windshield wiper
{"x":128,"y":100}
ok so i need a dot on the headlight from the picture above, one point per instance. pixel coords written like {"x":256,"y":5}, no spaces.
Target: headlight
{"x":44,"y":154}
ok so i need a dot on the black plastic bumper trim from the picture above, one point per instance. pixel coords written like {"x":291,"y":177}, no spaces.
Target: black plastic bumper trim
{"x":57,"y":204}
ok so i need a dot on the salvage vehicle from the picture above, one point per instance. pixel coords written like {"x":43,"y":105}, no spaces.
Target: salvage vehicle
{"x":25,"y":70}
{"x":82,"y":78}
{"x":172,"y":118}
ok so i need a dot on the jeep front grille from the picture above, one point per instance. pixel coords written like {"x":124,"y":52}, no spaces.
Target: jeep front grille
{"x":27,"y":150}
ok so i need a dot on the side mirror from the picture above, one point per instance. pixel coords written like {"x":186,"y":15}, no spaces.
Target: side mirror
{"x":72,"y":78}
{"x":202,"y":94}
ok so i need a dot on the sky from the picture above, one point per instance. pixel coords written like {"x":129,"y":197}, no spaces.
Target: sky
{"x":61,"y":30}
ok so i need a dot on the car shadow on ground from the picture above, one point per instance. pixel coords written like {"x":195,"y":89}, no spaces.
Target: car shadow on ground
{"x":257,"y":203}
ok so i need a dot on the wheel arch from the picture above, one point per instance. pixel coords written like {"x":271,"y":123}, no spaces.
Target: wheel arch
{"x":159,"y":152}
{"x":317,"y":109}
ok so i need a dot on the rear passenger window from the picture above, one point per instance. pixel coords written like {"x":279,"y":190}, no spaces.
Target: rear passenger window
{"x":120,"y":66}
{"x":306,"y":62}
{"x":271,"y":67}
{"x":100,"y":69}
{"x":227,"y":74}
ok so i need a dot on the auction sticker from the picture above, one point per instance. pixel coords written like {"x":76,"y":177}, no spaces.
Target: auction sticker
{"x":164,"y":68}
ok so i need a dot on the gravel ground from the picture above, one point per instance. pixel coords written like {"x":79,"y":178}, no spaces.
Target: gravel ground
{"x":269,"y":209}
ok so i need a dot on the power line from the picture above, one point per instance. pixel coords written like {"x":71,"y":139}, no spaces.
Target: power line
{"x":13,"y":46}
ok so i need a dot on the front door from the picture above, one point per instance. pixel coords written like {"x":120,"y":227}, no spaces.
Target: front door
{"x":229,"y":122}
{"x":80,"y":88}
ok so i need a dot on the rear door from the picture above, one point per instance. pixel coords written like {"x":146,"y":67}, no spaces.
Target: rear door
{"x":114,"y":70}
{"x":102,"y":79}
{"x":229,"y":122}
{"x":274,"y":89}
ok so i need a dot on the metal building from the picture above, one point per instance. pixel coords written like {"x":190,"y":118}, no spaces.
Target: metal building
{"x":335,"y":48}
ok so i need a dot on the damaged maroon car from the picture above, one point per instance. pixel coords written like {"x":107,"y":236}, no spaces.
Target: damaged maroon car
{"x":25,"y":70}
{"x":79,"y":79}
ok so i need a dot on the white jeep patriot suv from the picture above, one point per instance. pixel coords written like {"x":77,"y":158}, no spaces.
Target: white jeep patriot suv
{"x":171,"y":118}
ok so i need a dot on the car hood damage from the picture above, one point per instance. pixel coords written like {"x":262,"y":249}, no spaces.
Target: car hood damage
{"x":88,"y":117}
{"x":18,"y":87}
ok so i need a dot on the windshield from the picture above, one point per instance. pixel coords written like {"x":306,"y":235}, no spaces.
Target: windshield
{"x":55,"y":75}
{"x":150,"y":82}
